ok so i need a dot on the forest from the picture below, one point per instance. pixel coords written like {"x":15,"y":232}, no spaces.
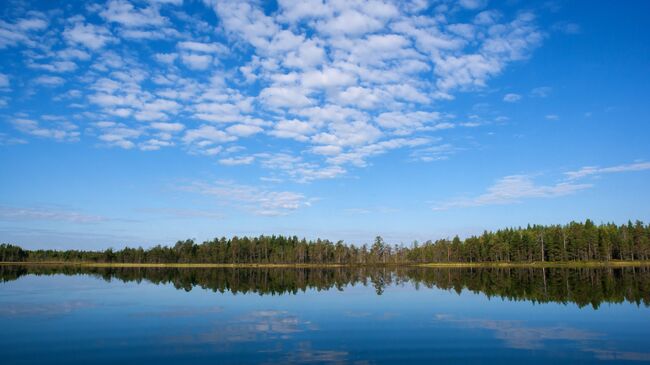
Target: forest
{"x":576,"y":241}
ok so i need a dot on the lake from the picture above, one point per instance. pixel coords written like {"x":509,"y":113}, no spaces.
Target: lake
{"x":74,"y":315}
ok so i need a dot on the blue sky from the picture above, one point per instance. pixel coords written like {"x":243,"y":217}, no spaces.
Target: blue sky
{"x":144,"y":122}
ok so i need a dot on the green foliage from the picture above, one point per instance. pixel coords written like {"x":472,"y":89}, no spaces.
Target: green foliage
{"x":12,"y":253}
{"x":573,"y":242}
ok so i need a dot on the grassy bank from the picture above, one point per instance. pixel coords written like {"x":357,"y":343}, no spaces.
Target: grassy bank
{"x":567,"y":264}
{"x":572,"y":264}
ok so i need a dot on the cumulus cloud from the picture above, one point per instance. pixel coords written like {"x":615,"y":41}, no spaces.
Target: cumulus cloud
{"x":333,"y":83}
{"x":202,"y":47}
{"x":232,"y":161}
{"x":50,"y":81}
{"x":167,"y":127}
{"x":23,"y":30}
{"x":197,"y":61}
{"x":293,"y":129}
{"x":60,"y":131}
{"x":472,"y":4}
{"x":124,"y":13}
{"x":118,"y":134}
{"x":91,"y":36}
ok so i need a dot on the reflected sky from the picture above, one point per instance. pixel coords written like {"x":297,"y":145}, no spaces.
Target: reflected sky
{"x":80,"y":319}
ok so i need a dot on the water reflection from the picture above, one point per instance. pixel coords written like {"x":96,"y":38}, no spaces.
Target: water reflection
{"x":255,"y":326}
{"x":584,"y":286}
{"x":42,"y":309}
{"x":74,"y":315}
{"x":179,"y":312}
{"x":520,"y":335}
{"x":610,"y":355}
{"x":517,"y":335}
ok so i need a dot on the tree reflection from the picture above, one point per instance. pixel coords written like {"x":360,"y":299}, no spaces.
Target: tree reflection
{"x":582,"y":286}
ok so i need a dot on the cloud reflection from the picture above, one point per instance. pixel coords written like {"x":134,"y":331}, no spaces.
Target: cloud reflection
{"x":179,"y":312}
{"x":256,"y":326}
{"x":42,"y":309}
{"x":612,"y":355}
{"x":519,"y":336}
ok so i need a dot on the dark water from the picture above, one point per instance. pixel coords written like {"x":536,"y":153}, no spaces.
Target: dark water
{"x":220,"y":316}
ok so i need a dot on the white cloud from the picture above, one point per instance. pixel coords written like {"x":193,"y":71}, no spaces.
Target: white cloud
{"x":22,"y":31}
{"x":150,"y":34}
{"x":294,"y":128}
{"x":206,"y":139}
{"x":167,"y":2}
{"x":73,"y":53}
{"x":6,"y":140}
{"x":552,"y":116}
{"x":167,"y":127}
{"x":362,"y":97}
{"x":473,"y":4}
{"x":358,"y":156}
{"x":348,"y":80}
{"x":4,"y":81}
{"x":11,"y":213}
{"x":508,"y":42}
{"x":511,"y":98}
{"x":118,"y":135}
{"x":256,"y":200}
{"x":167,"y":58}
{"x":514,"y":189}
{"x":243,"y":130}
{"x":216,"y":48}
{"x":246,"y":21}
{"x":329,"y":77}
{"x":50,"y":81}
{"x":55,"y":66}
{"x":541,"y":92}
{"x":284,"y":97}
{"x":567,"y":28}
{"x":296,"y":168}
{"x":434,"y":153}
{"x":350,"y":22}
{"x":60,"y":131}
{"x":88,"y":35}
{"x":32,"y":24}
{"x":308,"y":55}
{"x":407,"y":123}
{"x":157,"y":110}
{"x":154,"y":144}
{"x":233,"y":161}
{"x":594,"y":170}
{"x":197,"y":61}
{"x":327,"y":150}
{"x":124,"y":13}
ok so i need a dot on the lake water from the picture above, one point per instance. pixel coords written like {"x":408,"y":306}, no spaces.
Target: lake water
{"x":57,"y":315}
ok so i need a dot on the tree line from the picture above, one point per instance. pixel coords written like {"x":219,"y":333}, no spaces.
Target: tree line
{"x":576,"y":241}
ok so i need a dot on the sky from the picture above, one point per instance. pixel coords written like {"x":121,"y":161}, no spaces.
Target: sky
{"x":142,"y":122}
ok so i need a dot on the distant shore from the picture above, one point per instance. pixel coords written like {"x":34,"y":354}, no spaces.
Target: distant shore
{"x":570,"y":264}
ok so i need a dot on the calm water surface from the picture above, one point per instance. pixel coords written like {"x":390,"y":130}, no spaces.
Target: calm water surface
{"x":221,"y":316}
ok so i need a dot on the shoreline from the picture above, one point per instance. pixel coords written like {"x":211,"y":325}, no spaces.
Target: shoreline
{"x":441,"y":265}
